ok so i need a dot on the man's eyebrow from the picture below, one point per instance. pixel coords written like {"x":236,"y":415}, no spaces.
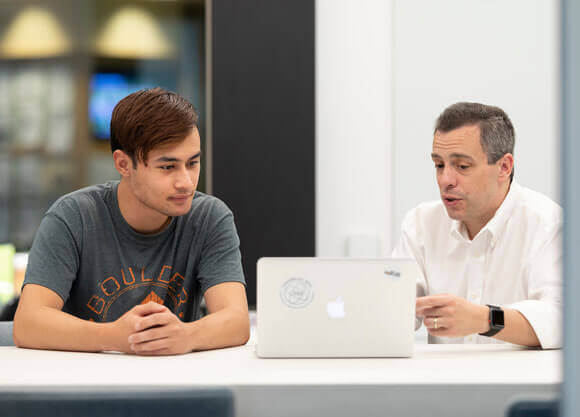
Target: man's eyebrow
{"x":197,"y":155}
{"x":453,"y":155}
{"x":170,"y":159}
{"x":461,"y":156}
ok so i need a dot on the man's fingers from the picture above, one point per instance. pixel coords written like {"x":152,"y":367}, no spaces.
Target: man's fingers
{"x":429,"y":311}
{"x":149,"y":308}
{"x":160,"y":352}
{"x":435,"y":323}
{"x":154,"y":319}
{"x":152,"y":346}
{"x":437,"y":312}
{"x":147,"y":335}
{"x":432,"y":301}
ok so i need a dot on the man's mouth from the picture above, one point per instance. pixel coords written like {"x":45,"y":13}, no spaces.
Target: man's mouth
{"x":180,"y":197}
{"x":450,"y":200}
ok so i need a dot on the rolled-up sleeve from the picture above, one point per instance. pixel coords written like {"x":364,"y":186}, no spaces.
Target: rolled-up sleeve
{"x":543,"y":308}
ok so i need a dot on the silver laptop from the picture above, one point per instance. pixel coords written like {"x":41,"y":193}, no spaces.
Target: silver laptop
{"x":316,"y":307}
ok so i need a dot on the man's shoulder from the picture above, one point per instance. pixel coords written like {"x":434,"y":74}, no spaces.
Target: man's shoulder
{"x":207,"y":208}
{"x":206,"y":202}
{"x":88,"y":199}
{"x":537,"y":207}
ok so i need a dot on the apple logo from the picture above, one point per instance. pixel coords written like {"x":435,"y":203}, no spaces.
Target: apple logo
{"x":335,"y":308}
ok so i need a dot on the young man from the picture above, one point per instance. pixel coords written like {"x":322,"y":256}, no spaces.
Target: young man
{"x":490,"y":249}
{"x":122,"y":266}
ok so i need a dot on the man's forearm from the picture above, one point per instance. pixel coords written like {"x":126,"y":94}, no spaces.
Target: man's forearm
{"x":517,"y":329}
{"x":224,"y":328}
{"x":48,"y":328}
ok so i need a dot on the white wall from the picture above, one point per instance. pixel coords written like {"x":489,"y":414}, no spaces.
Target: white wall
{"x":499,"y":52}
{"x":353,"y":126}
{"x":384,"y":72}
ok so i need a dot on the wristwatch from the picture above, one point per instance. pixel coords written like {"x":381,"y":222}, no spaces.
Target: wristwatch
{"x":496,"y":321}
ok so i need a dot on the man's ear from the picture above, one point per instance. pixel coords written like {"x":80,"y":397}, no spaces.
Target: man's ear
{"x":123,"y":163}
{"x":506,"y":166}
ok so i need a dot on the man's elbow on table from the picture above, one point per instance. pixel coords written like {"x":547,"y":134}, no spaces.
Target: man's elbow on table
{"x":244,"y":328}
{"x":240,"y":327}
{"x":19,"y":331}
{"x":36,"y":308}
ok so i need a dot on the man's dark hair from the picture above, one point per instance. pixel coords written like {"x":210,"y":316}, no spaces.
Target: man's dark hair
{"x":149,"y":118}
{"x":497,"y":133}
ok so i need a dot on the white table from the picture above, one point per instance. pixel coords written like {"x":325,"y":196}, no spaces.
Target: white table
{"x":446,"y":380}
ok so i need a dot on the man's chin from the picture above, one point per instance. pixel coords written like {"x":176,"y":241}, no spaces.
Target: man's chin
{"x":454,"y":214}
{"x":178,"y":211}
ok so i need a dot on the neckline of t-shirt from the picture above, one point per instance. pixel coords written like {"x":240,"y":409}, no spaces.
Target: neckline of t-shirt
{"x":122,"y":224}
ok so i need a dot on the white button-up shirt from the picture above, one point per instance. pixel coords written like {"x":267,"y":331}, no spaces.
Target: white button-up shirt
{"x":513,"y":262}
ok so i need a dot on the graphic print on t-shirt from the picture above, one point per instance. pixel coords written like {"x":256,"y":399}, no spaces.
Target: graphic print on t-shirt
{"x":118,"y":294}
{"x":153,"y":297}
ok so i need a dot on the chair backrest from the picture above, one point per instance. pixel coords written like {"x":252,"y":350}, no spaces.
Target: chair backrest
{"x":202,"y":402}
{"x":534,"y":408}
{"x":6,"y":333}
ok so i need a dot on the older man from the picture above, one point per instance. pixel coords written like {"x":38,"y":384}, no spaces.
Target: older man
{"x":490,"y":249}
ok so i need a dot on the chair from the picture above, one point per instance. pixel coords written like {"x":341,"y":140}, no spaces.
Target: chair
{"x":6,"y":333}
{"x":535,"y":408}
{"x":203,"y":402}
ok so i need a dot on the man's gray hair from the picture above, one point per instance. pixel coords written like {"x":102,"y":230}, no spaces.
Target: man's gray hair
{"x":497,"y":133}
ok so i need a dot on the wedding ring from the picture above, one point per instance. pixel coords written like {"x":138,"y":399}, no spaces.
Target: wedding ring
{"x":435,"y":326}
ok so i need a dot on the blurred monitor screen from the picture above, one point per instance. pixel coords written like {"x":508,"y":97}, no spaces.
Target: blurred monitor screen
{"x":106,"y":91}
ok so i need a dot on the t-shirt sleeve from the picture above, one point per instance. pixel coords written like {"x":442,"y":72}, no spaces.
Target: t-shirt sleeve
{"x":220,"y":259}
{"x":54,"y":257}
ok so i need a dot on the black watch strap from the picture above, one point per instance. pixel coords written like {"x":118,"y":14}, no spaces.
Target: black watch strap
{"x":496,"y":321}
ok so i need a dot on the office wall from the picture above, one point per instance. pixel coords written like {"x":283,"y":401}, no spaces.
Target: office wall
{"x":500,"y":52}
{"x":353,"y":125}
{"x":386,"y":69}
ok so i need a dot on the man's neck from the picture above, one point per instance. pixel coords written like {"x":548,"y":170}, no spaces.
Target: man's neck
{"x":474,"y":226}
{"x":141,"y":218}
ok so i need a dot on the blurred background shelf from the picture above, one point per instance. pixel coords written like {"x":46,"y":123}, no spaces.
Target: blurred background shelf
{"x":63,"y":66}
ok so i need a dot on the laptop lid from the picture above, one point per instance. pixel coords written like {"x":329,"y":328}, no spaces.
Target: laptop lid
{"x":316,"y":307}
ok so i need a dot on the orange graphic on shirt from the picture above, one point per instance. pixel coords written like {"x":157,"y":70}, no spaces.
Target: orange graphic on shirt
{"x":113,"y":287}
{"x":153,"y":297}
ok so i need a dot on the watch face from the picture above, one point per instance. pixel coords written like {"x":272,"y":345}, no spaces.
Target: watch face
{"x":497,"y":317}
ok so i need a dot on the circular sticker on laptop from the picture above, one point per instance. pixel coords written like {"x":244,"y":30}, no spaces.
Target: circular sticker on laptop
{"x":296,"y":293}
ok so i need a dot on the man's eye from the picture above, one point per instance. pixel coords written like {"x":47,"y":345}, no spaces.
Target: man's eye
{"x":166,"y":167}
{"x":193,"y":163}
{"x":439,"y":166}
{"x":463,"y":167}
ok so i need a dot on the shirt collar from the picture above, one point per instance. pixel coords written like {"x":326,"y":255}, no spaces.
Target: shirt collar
{"x":496,"y":225}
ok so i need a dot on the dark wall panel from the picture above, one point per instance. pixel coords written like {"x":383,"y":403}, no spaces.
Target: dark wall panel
{"x":263,"y":125}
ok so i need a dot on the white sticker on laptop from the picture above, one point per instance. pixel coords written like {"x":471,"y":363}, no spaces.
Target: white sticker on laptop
{"x":296,"y":293}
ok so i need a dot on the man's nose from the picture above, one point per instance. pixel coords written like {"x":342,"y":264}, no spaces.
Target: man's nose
{"x":183,"y":181}
{"x":447,"y":178}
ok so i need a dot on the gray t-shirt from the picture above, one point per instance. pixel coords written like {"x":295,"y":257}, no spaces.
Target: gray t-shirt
{"x":88,"y":254}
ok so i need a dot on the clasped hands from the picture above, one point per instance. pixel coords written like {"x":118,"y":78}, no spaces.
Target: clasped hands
{"x":151,"y":329}
{"x":448,"y":315}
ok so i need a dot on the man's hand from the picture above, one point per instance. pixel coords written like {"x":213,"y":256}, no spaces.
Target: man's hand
{"x":155,"y":330}
{"x":450,"y":316}
{"x":149,"y":329}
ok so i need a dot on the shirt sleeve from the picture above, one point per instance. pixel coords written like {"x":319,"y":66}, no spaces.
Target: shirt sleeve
{"x":220,"y":259}
{"x":54,"y":257}
{"x":409,"y":246}
{"x":543,"y":308}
